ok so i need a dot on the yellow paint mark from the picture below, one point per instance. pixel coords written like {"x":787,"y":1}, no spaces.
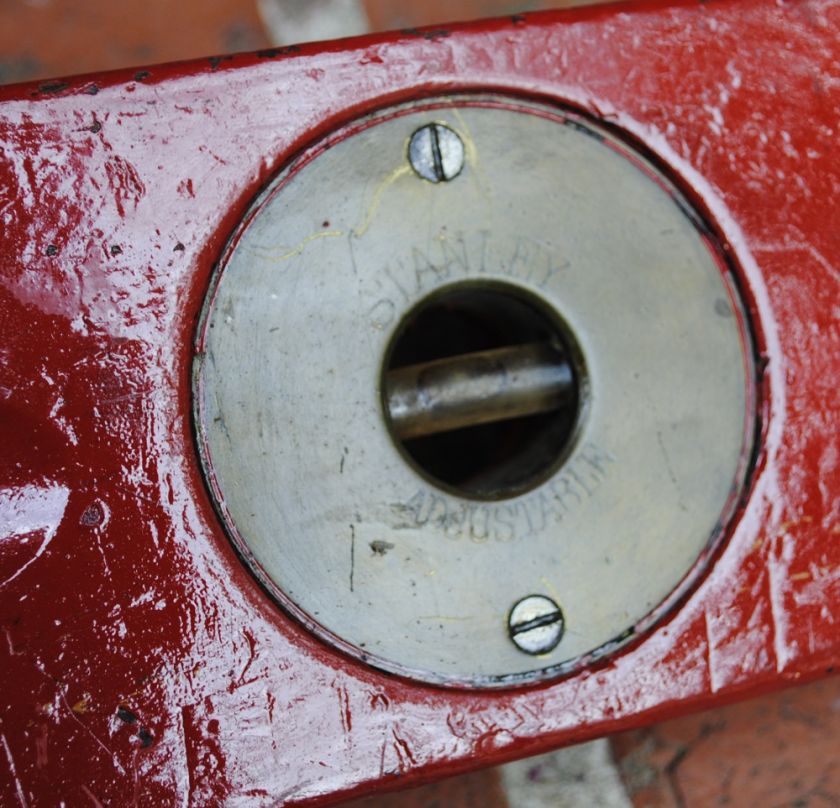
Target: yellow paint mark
{"x":470,"y":151}
{"x":551,"y":589}
{"x":801,"y":576}
{"x":271,"y":255}
{"x":786,"y":526}
{"x":757,"y":545}
{"x":836,"y":529}
{"x":396,"y":174}
{"x":81,"y":706}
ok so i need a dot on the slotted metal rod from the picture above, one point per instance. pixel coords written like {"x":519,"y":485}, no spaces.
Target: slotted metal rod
{"x":477,"y":388}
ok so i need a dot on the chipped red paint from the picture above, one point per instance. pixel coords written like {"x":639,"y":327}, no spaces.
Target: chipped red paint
{"x":139,"y":661}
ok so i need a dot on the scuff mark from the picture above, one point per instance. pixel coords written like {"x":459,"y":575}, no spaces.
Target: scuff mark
{"x":799,"y":246}
{"x":26,"y":512}
{"x":776,"y":575}
{"x":710,"y":658}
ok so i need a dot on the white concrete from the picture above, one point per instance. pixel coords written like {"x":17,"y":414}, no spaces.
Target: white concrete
{"x":583,"y":776}
{"x":293,"y":21}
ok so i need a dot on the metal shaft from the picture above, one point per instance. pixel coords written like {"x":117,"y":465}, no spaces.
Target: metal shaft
{"x":477,"y":388}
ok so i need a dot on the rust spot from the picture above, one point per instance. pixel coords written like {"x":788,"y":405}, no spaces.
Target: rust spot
{"x":431,"y":35}
{"x":215,"y":61}
{"x":124,"y":714}
{"x":271,"y":53}
{"x":92,"y":516}
{"x":52,"y":250}
{"x":53,"y":87}
{"x":380,"y":548}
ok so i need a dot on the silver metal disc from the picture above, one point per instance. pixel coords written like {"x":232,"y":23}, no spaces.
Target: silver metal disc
{"x":342,"y":530}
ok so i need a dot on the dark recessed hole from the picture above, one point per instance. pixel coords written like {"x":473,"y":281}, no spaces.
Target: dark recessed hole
{"x":501,"y":459}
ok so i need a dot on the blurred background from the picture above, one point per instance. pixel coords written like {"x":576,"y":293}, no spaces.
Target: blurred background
{"x":49,"y":38}
{"x":781,"y":750}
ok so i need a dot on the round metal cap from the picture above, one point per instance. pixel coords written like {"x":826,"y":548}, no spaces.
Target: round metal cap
{"x":627,"y":339}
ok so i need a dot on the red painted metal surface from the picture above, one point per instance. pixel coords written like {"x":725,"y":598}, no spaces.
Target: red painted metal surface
{"x":140,"y":662}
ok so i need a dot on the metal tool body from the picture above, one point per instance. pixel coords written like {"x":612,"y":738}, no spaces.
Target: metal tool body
{"x":140,"y":656}
{"x":477,"y":388}
{"x":609,"y":508}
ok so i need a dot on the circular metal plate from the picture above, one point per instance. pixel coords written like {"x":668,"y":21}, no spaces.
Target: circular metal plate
{"x":344,"y":532}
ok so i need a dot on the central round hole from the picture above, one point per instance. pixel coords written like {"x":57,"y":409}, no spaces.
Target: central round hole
{"x":482,"y":389}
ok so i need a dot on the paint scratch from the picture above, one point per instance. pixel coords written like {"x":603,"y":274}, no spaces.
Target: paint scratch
{"x":87,"y":729}
{"x":352,"y":554}
{"x":404,"y":754}
{"x":344,"y":707}
{"x":92,"y":797}
{"x":18,"y":785}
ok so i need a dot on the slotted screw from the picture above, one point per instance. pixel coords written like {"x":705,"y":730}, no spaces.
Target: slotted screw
{"x":436,"y":153}
{"x":536,"y":624}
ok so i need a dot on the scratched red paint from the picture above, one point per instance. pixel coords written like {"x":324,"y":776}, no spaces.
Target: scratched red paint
{"x":140,"y":663}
